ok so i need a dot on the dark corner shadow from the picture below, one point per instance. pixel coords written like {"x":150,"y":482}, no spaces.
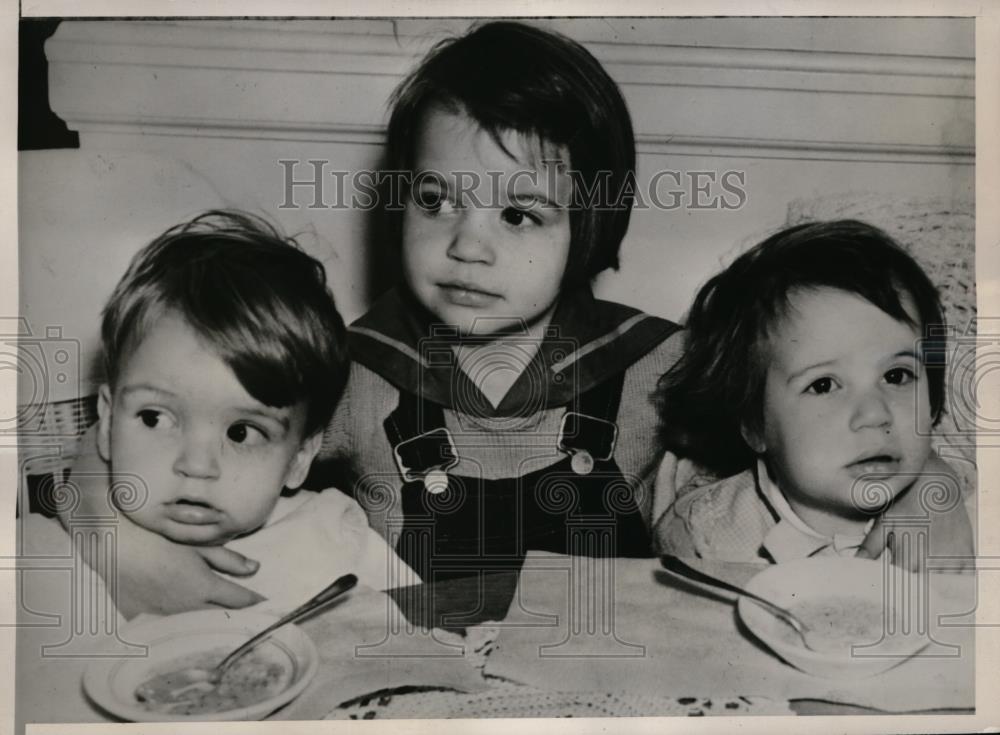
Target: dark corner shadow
{"x":380,"y":236}
{"x":96,"y":367}
{"x":457,"y":603}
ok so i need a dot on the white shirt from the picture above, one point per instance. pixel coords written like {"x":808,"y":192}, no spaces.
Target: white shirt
{"x":311,"y":539}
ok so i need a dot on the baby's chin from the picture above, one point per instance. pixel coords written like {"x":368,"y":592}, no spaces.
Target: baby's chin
{"x":189,"y":534}
{"x":487,"y":328}
{"x":453,"y":323}
{"x":874,"y":496}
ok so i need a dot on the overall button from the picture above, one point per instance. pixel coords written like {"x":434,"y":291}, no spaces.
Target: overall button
{"x":582,"y":463}
{"x":436,"y":482}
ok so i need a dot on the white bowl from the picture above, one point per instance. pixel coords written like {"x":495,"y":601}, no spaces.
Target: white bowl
{"x":111,"y":682}
{"x":880,"y":602}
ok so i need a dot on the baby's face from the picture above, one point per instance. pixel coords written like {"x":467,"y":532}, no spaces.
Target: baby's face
{"x":210,"y":458}
{"x":846,"y":403}
{"x":486,"y":233}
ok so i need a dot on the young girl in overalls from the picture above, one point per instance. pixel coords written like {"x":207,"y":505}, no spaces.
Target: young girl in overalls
{"x":494,"y":405}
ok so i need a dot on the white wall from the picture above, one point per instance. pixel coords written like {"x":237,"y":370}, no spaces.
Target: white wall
{"x":804,"y":107}
{"x":82,"y":215}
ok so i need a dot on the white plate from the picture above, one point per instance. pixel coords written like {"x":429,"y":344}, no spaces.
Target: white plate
{"x":111,"y":682}
{"x":897,"y":596}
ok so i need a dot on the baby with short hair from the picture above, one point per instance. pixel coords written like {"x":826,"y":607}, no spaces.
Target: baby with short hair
{"x":225,"y":357}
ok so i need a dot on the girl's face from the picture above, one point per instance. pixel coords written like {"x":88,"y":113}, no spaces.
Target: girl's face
{"x":845,"y":403}
{"x":486,"y":230}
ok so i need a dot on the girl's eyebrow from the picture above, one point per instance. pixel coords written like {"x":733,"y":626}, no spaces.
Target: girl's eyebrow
{"x":531,"y":197}
{"x":539,"y":186}
{"x":148,"y":388}
{"x":806,"y":369}
{"x":281,"y":419}
{"x":428,"y":176}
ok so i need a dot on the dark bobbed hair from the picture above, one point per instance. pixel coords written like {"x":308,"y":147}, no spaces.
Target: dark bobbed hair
{"x":252,"y":294}
{"x":718,"y":384}
{"x":510,"y":76}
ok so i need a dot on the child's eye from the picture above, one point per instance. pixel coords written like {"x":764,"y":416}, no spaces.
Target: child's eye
{"x":900,"y":376}
{"x":433,"y":201}
{"x":821,"y":386}
{"x":154,"y":419}
{"x":246,"y":434}
{"x":517,"y":217}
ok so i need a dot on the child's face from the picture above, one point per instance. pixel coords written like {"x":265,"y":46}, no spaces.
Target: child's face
{"x":485,"y":236}
{"x":212,"y":458}
{"x":846,"y":396}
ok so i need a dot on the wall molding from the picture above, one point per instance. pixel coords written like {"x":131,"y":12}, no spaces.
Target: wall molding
{"x":327,"y":81}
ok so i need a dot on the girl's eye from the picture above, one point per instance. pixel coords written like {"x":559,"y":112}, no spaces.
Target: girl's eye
{"x":900,"y":376}
{"x":153,"y":419}
{"x":433,"y":201}
{"x":821,"y":386}
{"x":246,"y":434}
{"x":517,"y":217}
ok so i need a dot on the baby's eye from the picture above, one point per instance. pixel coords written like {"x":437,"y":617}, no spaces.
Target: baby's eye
{"x":517,"y":217}
{"x":246,"y":434}
{"x":821,"y":386}
{"x":153,"y":419}
{"x":900,"y":376}
{"x":433,"y":201}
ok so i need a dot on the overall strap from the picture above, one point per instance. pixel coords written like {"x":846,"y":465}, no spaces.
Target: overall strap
{"x":417,"y":434}
{"x":413,"y":415}
{"x":418,"y":424}
{"x":602,"y":401}
{"x":588,"y":432}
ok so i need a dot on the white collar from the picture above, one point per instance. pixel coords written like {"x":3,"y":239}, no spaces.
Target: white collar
{"x":792,"y":537}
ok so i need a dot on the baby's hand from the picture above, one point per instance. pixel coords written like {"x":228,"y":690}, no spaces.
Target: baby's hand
{"x":950,"y":532}
{"x":169,"y":577}
{"x":147,"y":572}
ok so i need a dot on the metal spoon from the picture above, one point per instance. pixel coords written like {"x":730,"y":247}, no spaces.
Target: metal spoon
{"x":675,"y":565}
{"x":176,"y":683}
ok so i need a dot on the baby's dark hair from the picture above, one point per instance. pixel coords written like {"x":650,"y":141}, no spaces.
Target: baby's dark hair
{"x":252,"y":294}
{"x":510,"y":76}
{"x":718,"y":385}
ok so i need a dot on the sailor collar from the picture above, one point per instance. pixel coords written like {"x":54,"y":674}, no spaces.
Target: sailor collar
{"x":587,"y":342}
